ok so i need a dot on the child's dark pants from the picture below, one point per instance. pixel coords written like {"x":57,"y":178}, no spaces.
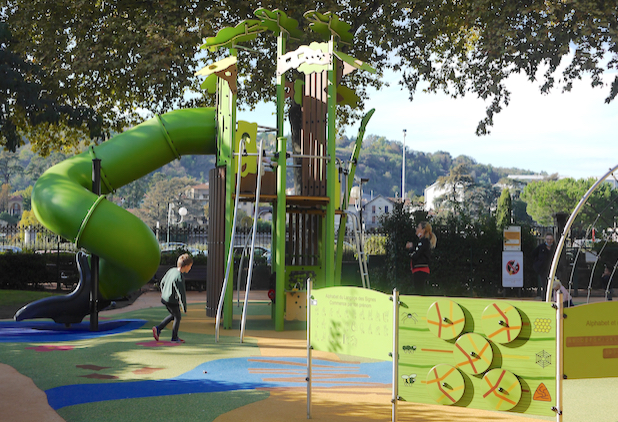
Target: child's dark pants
{"x":174,"y":310}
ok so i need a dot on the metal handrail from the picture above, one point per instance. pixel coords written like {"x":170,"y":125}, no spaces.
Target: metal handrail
{"x":230,"y":255}
{"x":243,"y":320}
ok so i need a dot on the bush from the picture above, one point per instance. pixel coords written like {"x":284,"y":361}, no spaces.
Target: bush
{"x":467,"y":260}
{"x":22,"y":271}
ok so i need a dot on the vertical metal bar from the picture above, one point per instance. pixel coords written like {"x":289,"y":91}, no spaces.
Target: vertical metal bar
{"x":395,"y":354}
{"x":280,"y":234}
{"x":559,"y":353}
{"x":94,"y":259}
{"x":331,"y":171}
{"x":230,"y":256}
{"x":309,"y":362}
{"x":243,"y":319}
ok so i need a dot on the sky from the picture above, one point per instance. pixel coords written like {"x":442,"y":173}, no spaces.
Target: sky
{"x":574,"y":134}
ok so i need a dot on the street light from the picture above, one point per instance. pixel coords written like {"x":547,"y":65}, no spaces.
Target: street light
{"x":403,"y":169}
{"x":182,"y":211}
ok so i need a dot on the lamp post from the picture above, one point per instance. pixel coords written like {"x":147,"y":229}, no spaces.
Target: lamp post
{"x":403,"y":170}
{"x":182,"y":211}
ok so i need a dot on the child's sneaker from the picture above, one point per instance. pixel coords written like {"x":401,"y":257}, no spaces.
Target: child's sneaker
{"x":178,"y":340}
{"x":155,"y":333}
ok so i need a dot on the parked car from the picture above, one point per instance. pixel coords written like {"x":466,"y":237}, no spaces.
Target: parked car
{"x":258,"y":251}
{"x":9,"y":248}
{"x":172,"y":247}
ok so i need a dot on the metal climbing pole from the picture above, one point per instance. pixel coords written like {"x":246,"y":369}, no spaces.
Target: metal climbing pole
{"x":230,"y":255}
{"x":243,"y":320}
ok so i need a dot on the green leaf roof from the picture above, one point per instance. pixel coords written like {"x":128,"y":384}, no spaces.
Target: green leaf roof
{"x":327,"y":24}
{"x":354,"y":62}
{"x":277,"y":21}
{"x":247,"y":30}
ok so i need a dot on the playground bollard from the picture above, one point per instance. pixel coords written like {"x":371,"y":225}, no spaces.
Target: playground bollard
{"x":308,"y":379}
{"x":395,"y":354}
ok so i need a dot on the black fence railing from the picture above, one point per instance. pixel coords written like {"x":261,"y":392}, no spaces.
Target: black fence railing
{"x":37,"y":239}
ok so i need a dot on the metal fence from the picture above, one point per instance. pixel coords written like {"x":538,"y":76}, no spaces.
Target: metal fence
{"x":36,"y":238}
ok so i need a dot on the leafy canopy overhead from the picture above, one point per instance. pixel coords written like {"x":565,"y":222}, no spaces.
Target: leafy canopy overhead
{"x":115,"y":62}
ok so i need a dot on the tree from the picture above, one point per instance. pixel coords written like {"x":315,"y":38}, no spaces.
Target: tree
{"x":458,"y":180}
{"x":116,"y":57}
{"x":5,"y":194}
{"x":546,"y":198}
{"x":133,"y":193}
{"x":26,"y":196}
{"x":28,"y":219}
{"x":9,"y":166}
{"x":26,"y":101}
{"x":161,"y":193}
{"x":504,"y":212}
{"x":5,"y":216}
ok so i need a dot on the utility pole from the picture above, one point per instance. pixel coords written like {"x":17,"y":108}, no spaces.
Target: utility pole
{"x":403,"y":170}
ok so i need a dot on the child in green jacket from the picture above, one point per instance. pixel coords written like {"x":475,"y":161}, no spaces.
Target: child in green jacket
{"x":174,"y":296}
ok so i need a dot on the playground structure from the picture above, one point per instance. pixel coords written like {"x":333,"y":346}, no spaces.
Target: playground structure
{"x":305,"y":242}
{"x":494,"y":349}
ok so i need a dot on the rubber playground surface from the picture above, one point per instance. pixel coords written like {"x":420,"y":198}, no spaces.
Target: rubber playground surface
{"x":50,"y":373}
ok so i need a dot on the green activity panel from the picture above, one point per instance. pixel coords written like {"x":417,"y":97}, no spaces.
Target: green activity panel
{"x":501,"y":322}
{"x":502,"y":389}
{"x":445,"y":319}
{"x":445,"y":384}
{"x":473,"y":353}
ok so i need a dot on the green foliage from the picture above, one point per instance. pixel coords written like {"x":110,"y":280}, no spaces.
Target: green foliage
{"x":24,"y":100}
{"x":163,"y":191}
{"x":118,"y":57}
{"x":399,"y":228}
{"x":28,"y":219}
{"x":545,"y":198}
{"x":467,"y":260}
{"x":22,"y":270}
{"x":504,"y":213}
{"x":375,"y":244}
{"x":11,"y":219}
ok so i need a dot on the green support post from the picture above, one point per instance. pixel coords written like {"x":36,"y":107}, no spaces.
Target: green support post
{"x":280,"y":236}
{"x":280,"y":227}
{"x":230,"y":180}
{"x":331,"y":176}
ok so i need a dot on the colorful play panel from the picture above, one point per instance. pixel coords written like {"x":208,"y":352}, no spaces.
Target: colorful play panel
{"x":474,"y":353}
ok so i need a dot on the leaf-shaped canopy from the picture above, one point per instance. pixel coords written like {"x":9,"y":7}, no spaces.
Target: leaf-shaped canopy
{"x":355,"y":63}
{"x":347,"y":96}
{"x":247,"y":30}
{"x":327,"y":24}
{"x":277,"y":21}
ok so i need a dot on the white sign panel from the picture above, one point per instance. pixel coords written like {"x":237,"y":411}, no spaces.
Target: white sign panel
{"x":512,"y":269}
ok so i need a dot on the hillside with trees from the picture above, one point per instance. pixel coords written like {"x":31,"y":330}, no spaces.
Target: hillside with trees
{"x":380,"y":162}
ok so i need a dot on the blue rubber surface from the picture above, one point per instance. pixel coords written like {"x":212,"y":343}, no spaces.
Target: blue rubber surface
{"x":229,"y":375}
{"x":47,"y":331}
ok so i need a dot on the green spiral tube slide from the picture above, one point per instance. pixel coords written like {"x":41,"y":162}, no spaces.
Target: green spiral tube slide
{"x":63,"y":201}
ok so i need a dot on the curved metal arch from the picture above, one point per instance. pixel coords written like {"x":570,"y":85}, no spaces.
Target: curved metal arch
{"x":567,"y":228}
